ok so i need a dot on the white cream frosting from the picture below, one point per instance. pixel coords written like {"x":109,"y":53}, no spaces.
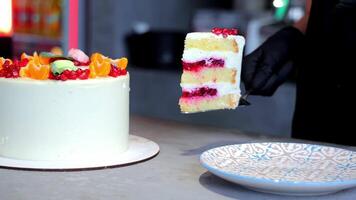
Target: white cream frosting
{"x":64,"y":121}
{"x":222,"y":88}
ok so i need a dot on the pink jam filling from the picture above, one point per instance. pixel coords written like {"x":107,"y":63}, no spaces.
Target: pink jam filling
{"x":209,"y":63}
{"x":200,"y":92}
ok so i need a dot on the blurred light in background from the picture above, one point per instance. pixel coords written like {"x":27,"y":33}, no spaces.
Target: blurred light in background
{"x":281,"y":8}
{"x":295,"y":13}
{"x":278,"y":3}
{"x":5,"y":17}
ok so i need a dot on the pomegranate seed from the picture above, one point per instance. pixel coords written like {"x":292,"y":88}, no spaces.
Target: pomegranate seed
{"x":63,"y":77}
{"x":6,"y":63}
{"x":216,"y":31}
{"x":23,"y":62}
{"x":224,"y":31}
{"x":84,"y":74}
{"x":115,"y":72}
{"x":72,"y":75}
{"x":66,"y":72}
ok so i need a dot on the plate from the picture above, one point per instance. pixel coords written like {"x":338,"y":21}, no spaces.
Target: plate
{"x":284,"y":168}
{"x":140,"y":149}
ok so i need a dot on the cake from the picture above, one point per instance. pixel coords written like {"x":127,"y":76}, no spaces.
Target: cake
{"x":64,"y":108}
{"x":211,"y":70}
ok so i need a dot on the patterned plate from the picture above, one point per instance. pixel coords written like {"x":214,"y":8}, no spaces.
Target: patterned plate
{"x":284,"y":168}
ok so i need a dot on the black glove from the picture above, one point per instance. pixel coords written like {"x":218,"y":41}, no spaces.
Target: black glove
{"x":266,"y":68}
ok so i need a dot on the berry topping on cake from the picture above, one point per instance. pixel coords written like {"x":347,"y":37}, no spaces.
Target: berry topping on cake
{"x":115,"y":71}
{"x":9,"y":69}
{"x":81,"y":74}
{"x":76,"y":66}
{"x":224,"y":31}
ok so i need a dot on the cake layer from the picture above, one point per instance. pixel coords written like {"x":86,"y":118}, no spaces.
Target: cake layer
{"x":209,"y":75}
{"x":200,"y":104}
{"x":64,"y":121}
{"x":212,"y":44}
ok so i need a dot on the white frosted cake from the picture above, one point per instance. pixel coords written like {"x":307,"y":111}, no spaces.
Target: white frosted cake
{"x":211,"y":70}
{"x":56,"y":108}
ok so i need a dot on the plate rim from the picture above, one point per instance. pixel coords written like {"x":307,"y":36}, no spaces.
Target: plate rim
{"x":269,"y":181}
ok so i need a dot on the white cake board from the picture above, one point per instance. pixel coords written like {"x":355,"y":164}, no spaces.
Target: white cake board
{"x":140,"y":149}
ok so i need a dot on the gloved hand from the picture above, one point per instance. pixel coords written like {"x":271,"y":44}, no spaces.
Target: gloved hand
{"x":266,"y":68}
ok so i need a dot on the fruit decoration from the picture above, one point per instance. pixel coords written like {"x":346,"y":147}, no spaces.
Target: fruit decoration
{"x":75,"y":66}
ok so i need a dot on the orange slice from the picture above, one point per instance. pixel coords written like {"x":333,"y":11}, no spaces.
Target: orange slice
{"x":44,"y":60}
{"x":121,"y":63}
{"x":25,"y":56}
{"x":92,"y":70}
{"x":103,"y":69}
{"x":2,"y":61}
{"x":97,"y":57}
{"x":35,"y":71}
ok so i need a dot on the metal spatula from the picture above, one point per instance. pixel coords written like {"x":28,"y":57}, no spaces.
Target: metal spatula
{"x":243,"y":100}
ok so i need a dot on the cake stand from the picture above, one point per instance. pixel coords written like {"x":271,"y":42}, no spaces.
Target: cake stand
{"x":140,"y":149}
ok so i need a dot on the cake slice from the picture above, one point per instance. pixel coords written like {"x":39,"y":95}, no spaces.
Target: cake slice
{"x":211,"y":70}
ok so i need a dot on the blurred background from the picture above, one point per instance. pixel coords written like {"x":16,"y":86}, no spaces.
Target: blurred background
{"x":151,"y":34}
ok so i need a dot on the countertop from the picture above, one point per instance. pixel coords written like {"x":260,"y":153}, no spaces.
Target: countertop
{"x":173,"y":174}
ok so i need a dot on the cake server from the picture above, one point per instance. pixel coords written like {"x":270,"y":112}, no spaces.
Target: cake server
{"x":243,"y":100}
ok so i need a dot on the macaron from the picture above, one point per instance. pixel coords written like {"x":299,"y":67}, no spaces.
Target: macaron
{"x":58,"y":66}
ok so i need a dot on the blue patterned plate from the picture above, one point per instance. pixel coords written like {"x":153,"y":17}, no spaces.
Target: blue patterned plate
{"x":284,"y":168}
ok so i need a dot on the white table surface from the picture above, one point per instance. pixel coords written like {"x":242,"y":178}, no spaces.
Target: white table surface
{"x":174,"y":174}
